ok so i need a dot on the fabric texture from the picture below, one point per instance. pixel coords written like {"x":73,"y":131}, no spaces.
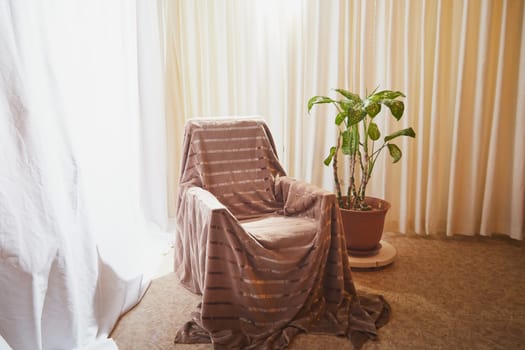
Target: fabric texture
{"x":260,"y":289}
{"x":75,"y":249}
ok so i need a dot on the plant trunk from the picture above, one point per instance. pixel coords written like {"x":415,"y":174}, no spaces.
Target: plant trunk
{"x":336,"y":175}
{"x":351,"y":192}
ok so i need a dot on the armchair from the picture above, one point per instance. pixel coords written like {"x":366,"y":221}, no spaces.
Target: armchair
{"x":266,"y":252}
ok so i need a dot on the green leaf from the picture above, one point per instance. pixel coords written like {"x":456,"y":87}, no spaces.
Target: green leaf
{"x":354,"y":139}
{"x":395,"y":152}
{"x":373,"y":131}
{"x":328,"y":159}
{"x":350,"y":95}
{"x":355,"y":116}
{"x":405,"y":132}
{"x":340,"y":117}
{"x":346,"y":147}
{"x":318,"y":100}
{"x":396,"y":107}
{"x":372,"y":108}
{"x":385,"y":95}
{"x":345,"y":104}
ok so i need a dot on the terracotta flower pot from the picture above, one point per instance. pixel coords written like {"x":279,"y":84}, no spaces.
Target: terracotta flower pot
{"x":363,"y":229}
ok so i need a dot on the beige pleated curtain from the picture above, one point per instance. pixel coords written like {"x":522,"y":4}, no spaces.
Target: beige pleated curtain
{"x":461,"y":64}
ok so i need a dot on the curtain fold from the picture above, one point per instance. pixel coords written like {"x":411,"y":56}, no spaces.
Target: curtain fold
{"x":154,"y":185}
{"x":460,"y":63}
{"x":75,"y":162}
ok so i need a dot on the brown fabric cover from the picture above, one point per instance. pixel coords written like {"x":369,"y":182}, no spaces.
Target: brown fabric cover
{"x":258,"y":290}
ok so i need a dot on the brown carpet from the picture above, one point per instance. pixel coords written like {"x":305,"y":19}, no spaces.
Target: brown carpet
{"x":445,"y":293}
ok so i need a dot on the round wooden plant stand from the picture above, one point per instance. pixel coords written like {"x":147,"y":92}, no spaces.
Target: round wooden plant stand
{"x":363,"y":231}
{"x":384,"y":257}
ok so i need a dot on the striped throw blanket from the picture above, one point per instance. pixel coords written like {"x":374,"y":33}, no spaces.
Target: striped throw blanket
{"x":266,"y":252}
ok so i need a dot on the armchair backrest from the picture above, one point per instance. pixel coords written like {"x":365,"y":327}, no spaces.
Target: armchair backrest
{"x":235,"y":160}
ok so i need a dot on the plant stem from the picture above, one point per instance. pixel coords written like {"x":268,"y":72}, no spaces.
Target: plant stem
{"x":351,"y":192}
{"x":336,"y":175}
{"x":351,"y":183}
{"x":363,"y":162}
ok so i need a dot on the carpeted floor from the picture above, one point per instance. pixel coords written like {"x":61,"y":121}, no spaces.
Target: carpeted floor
{"x":445,"y":293}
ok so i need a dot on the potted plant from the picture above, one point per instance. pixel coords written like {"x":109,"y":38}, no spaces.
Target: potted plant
{"x":359,"y":142}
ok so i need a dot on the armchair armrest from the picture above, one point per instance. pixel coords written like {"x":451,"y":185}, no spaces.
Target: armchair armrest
{"x":196,"y":209}
{"x":302,"y":198}
{"x":204,"y":199}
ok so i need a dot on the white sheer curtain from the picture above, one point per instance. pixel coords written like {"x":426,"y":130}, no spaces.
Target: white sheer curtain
{"x":82,"y":168}
{"x":460,"y":63}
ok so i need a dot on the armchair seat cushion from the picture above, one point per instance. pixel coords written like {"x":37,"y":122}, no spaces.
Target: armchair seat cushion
{"x":280,"y":232}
